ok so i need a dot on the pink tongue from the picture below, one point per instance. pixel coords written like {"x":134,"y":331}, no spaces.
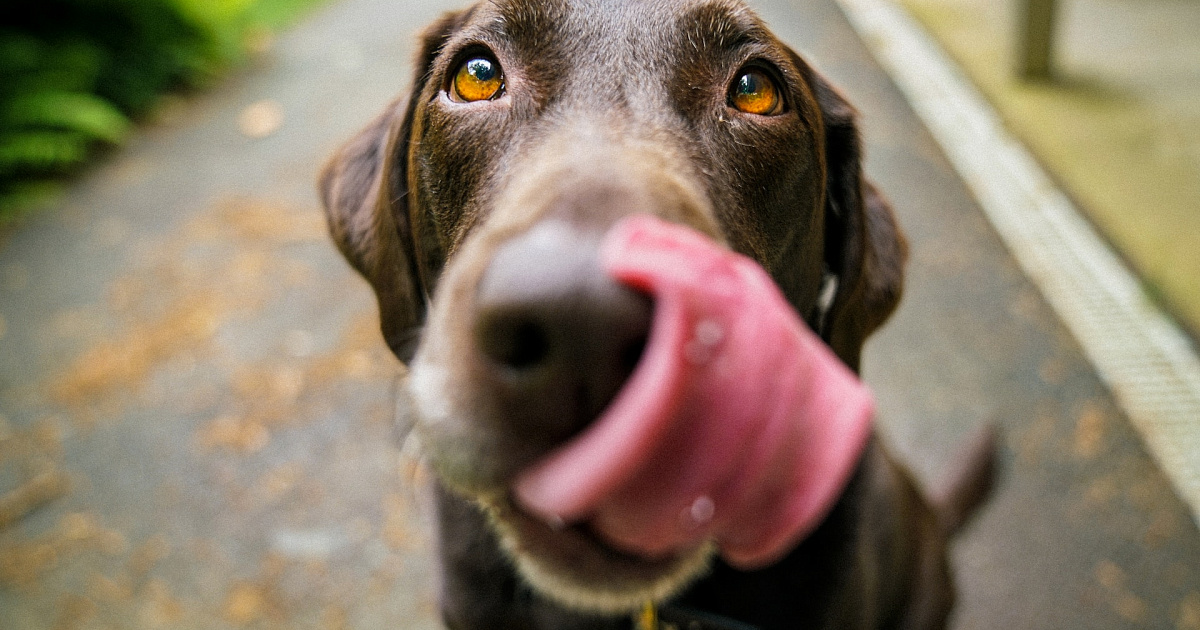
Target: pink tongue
{"x":738,"y":424}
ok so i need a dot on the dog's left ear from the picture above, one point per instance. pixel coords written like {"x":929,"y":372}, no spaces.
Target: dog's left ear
{"x":865,"y":250}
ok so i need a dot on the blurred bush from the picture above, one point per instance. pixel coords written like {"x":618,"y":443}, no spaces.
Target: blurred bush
{"x":75,"y":73}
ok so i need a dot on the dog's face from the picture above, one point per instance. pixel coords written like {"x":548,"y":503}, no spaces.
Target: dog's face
{"x":476,"y":205}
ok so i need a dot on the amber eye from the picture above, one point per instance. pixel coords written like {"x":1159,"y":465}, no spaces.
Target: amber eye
{"x":755,"y":92}
{"x":477,"y":79}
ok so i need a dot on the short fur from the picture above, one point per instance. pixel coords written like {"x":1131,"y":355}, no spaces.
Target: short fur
{"x":611,"y":108}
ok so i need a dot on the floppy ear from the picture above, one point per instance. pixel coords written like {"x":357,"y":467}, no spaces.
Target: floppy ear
{"x":864,"y":248}
{"x":364,"y":188}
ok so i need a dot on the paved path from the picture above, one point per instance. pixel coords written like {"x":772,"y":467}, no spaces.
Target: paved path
{"x":189,"y":367}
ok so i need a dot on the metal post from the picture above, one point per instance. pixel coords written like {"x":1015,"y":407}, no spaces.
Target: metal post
{"x":1036,"y":46}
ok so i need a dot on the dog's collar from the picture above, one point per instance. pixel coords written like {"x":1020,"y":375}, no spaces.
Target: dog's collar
{"x":825,"y":299}
{"x":683,"y":618}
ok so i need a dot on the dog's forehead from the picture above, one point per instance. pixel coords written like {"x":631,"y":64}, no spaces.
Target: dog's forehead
{"x":702,"y":23}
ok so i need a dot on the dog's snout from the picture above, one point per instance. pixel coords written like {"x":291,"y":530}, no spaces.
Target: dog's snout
{"x":556,"y":335}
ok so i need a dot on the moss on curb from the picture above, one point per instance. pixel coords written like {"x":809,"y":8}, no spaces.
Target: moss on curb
{"x":1128,"y":152}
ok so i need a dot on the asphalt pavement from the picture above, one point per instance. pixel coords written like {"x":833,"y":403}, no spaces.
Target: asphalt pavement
{"x":196,"y":407}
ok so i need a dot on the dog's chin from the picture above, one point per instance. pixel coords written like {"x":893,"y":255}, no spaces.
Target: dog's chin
{"x":571,"y":565}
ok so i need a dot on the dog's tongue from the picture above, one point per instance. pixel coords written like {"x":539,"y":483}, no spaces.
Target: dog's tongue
{"x":738,"y":425}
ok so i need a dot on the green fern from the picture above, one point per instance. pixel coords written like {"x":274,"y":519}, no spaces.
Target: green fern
{"x":74,"y":73}
{"x":19,"y":198}
{"x":40,"y":152}
{"x":29,"y":64}
{"x":83,"y":113}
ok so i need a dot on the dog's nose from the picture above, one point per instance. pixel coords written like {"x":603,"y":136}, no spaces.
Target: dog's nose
{"x":557,"y":336}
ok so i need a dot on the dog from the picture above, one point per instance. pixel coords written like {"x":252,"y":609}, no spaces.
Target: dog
{"x":474,"y":208}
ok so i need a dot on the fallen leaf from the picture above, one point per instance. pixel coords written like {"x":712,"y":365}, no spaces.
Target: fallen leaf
{"x":1109,"y":575}
{"x":245,"y":603}
{"x":1131,"y":608}
{"x":260,"y":119}
{"x":1089,"y":432}
{"x":1189,"y":612}
{"x":31,"y":495}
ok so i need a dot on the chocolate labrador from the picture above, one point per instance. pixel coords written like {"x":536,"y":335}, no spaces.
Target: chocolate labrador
{"x":474,"y":207}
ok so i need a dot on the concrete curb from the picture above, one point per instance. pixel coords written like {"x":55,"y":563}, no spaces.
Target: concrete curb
{"x":1142,"y":356}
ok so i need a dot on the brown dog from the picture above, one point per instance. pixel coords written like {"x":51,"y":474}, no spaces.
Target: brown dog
{"x":474,"y":207}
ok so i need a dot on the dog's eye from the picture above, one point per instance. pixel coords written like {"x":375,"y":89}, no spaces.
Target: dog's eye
{"x":477,"y":79}
{"x":755,"y":92}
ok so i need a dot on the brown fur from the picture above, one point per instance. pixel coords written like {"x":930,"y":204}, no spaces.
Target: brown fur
{"x":609,"y":110}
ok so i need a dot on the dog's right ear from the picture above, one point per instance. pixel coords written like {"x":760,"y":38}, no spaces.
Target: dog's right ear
{"x":865,"y":248}
{"x":364,"y":188}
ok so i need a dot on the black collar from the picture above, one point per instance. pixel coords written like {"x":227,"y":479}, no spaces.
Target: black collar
{"x":682,"y":618}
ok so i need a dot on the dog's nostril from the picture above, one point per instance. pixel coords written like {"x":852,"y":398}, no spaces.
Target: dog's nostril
{"x":631,"y":353}
{"x":520,"y":343}
{"x":529,"y":346}
{"x":555,"y":335}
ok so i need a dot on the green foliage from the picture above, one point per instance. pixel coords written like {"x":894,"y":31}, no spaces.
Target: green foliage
{"x":75,"y":73}
{"x":89,"y":116}
{"x":41,"y":152}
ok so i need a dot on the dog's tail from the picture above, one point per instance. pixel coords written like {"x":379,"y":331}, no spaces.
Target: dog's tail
{"x":968,"y":482}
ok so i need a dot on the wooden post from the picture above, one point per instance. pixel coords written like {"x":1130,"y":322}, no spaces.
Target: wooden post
{"x":1035,"y":49}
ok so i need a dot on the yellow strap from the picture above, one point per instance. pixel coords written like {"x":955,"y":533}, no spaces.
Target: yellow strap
{"x":647,"y":619}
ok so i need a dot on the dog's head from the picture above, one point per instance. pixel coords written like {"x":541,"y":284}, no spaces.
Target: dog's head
{"x":475,"y":207}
